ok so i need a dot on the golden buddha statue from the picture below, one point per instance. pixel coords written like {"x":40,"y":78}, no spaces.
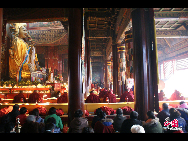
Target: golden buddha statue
{"x":22,"y":53}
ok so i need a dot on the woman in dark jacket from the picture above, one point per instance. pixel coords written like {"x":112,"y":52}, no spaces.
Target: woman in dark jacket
{"x":78,"y":123}
{"x":118,"y":120}
{"x":152,"y":125}
{"x":174,"y":114}
{"x":128,"y":123}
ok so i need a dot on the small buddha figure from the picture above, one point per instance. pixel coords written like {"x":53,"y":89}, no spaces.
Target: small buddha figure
{"x":22,"y":53}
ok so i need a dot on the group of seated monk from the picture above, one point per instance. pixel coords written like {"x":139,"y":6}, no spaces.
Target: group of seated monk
{"x":108,"y":96}
{"x":175,"y":96}
{"x":35,"y":97}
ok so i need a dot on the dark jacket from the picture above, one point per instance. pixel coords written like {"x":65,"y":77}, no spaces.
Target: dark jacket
{"x":77,"y":125}
{"x":184,"y":113}
{"x":181,"y":123}
{"x":118,"y":120}
{"x":128,"y":123}
{"x":153,"y":126}
{"x":162,"y":116}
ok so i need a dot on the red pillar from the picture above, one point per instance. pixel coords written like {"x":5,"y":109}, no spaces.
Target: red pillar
{"x":144,"y":64}
{"x":140,"y":63}
{"x":76,"y":97}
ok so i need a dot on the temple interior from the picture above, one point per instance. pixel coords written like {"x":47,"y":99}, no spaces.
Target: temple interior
{"x":130,"y":58}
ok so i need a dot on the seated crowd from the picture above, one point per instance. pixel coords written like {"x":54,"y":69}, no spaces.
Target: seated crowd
{"x":52,"y":123}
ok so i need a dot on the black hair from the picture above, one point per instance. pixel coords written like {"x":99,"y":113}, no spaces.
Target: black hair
{"x":174,"y":113}
{"x":119,"y":112}
{"x":35,"y":112}
{"x":23,"y":110}
{"x":51,"y":120}
{"x":52,"y":110}
{"x":16,"y":107}
{"x":165,"y":106}
{"x":98,"y":111}
{"x":150,"y":114}
{"x":102,"y":115}
{"x":78,"y":113}
{"x":133,"y":115}
{"x":182,"y":102}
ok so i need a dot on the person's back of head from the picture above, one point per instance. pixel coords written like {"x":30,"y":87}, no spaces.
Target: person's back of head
{"x":52,"y":110}
{"x":165,"y":106}
{"x":174,"y":113}
{"x":49,"y":128}
{"x":23,"y":110}
{"x":78,"y":113}
{"x":182,"y":102}
{"x":15,"y":107}
{"x":102,"y":115}
{"x":51,"y":120}
{"x":133,"y":115}
{"x":137,"y":129}
{"x":31,"y":118}
{"x":150,"y":115}
{"x":98,"y":111}
{"x":35,"y":112}
{"x":119,"y":112}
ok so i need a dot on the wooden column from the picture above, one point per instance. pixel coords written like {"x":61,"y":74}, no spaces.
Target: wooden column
{"x":76,"y":97}
{"x":140,"y":62}
{"x":115,"y":69}
{"x":145,"y":61}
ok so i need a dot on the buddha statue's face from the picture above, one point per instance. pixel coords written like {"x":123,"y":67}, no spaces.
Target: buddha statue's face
{"x":22,"y":32}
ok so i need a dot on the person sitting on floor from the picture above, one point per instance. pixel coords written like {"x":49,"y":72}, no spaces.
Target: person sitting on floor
{"x":137,"y":129}
{"x":52,"y":113}
{"x":105,"y":125}
{"x":96,"y":118}
{"x":175,"y":114}
{"x":35,"y":97}
{"x":22,"y":115}
{"x":35,"y":112}
{"x":128,"y":123}
{"x":78,"y":123}
{"x":20,"y":98}
{"x":14,"y":113}
{"x":92,"y":98}
{"x":152,"y":125}
{"x":183,"y":109}
{"x":30,"y":126}
{"x":52,"y":120}
{"x":118,"y":120}
{"x":163,"y":114}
